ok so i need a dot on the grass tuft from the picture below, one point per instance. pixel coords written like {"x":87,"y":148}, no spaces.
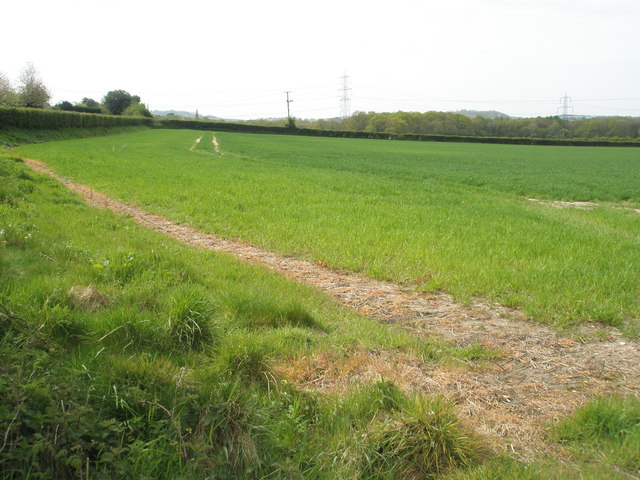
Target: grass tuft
{"x":190,"y":320}
{"x":426,"y":439}
{"x":245,"y":357}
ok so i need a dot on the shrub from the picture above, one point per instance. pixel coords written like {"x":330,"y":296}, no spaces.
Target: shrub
{"x":137,"y":110}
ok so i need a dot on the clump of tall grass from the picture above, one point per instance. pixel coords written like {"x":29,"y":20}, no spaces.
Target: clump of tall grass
{"x":67,"y":328}
{"x":127,"y":329}
{"x":290,"y":341}
{"x":226,"y":422}
{"x":245,"y":357}
{"x":190,"y":320}
{"x":423,"y":440}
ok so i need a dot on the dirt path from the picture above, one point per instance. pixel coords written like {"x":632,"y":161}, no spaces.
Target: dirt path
{"x":541,"y":375}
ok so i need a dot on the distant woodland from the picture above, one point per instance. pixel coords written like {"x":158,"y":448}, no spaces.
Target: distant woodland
{"x":443,"y":123}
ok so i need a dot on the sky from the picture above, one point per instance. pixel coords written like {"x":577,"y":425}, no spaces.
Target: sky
{"x":236,"y":59}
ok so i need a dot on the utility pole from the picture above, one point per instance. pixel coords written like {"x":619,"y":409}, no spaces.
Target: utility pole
{"x":288,"y":111}
{"x":565,"y":107}
{"x":345,"y":100}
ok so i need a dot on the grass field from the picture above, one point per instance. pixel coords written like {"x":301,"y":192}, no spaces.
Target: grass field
{"x":451,"y":217}
{"x":124,"y":354}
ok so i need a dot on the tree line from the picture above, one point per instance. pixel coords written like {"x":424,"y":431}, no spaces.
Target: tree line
{"x":445,"y":123}
{"x":31,"y":92}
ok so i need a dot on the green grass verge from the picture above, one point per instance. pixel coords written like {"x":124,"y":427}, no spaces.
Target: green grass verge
{"x":11,"y":136}
{"x":452,"y":217}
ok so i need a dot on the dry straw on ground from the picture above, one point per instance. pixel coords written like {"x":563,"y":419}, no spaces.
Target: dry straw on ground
{"x":87,"y":297}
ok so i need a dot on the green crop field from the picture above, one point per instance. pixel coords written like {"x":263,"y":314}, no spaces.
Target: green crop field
{"x":126,"y":354}
{"x":451,"y":217}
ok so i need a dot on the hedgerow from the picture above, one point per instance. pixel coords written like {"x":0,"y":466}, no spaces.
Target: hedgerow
{"x":312,"y":132}
{"x":35,"y":118}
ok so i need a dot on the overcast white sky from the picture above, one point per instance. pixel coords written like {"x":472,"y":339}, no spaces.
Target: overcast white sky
{"x":235,"y":59}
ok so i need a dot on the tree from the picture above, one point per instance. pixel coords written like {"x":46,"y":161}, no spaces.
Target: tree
{"x":377,"y":123}
{"x":32,"y":92}
{"x":397,"y":124}
{"x":90,"y":102}
{"x":7,"y":95}
{"x":65,"y":105}
{"x":137,"y":110}
{"x":358,"y":121}
{"x":117,"y":101}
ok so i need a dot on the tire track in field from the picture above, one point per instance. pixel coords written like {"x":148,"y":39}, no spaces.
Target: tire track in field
{"x":214,"y":142}
{"x":195,"y":143}
{"x":540,"y":376}
{"x":216,"y":145}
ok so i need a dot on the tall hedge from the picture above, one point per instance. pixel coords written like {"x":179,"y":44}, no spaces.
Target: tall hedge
{"x":245,"y":128}
{"x":54,"y":119}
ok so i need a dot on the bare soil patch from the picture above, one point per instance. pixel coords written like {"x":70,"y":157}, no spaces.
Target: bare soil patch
{"x":541,"y":376}
{"x":563,"y":204}
{"x":216,"y":145}
{"x":579,"y":205}
{"x":195,"y":143}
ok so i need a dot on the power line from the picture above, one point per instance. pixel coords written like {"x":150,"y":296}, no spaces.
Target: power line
{"x":565,"y":107}
{"x":288,"y":102}
{"x":345,"y":100}
{"x":316,"y":99}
